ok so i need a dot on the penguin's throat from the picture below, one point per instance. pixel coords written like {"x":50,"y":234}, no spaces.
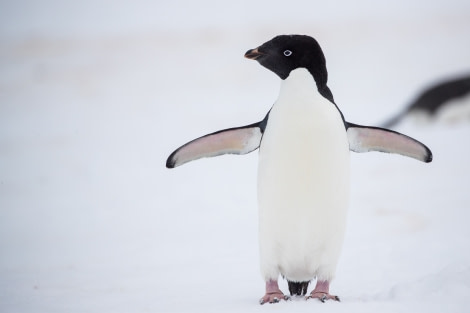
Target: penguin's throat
{"x":299,"y":87}
{"x":299,"y":82}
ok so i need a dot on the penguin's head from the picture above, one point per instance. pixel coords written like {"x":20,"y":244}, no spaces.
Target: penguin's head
{"x":285,"y":53}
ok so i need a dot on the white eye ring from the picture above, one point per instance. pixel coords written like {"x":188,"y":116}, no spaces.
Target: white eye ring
{"x":287,"y":53}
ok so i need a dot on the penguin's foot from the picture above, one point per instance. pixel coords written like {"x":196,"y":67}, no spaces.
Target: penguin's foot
{"x":273,"y":297}
{"x":322,"y":292}
{"x":273,"y":293}
{"x":322,"y":296}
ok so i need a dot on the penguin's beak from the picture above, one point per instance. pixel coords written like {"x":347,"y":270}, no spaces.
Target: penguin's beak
{"x":253,"y":54}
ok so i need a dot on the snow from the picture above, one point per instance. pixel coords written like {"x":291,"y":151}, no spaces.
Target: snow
{"x":94,"y":95}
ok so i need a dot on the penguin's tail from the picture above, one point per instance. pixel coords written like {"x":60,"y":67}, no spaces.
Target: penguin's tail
{"x":298,"y":288}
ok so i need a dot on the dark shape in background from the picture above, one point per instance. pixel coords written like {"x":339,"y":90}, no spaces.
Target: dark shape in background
{"x":434,"y":98}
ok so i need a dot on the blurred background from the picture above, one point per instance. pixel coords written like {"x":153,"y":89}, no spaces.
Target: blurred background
{"x":94,"y":95}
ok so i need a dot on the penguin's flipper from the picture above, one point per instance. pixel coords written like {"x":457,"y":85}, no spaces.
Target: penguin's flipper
{"x":367,"y":138}
{"x":237,"y":140}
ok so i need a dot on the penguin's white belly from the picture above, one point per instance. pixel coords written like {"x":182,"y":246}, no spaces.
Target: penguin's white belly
{"x":303,"y":184}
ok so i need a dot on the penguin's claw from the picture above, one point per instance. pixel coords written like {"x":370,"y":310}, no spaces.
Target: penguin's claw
{"x":322,"y":296}
{"x":273,"y":297}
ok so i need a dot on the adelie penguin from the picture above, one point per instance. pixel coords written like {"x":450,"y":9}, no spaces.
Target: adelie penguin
{"x":447,"y":101}
{"x":303,"y":171}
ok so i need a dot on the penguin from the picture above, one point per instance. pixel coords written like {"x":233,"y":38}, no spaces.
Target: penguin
{"x":304,"y":145}
{"x":447,"y":100}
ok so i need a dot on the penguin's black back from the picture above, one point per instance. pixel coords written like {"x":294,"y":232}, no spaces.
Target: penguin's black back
{"x":433,"y":98}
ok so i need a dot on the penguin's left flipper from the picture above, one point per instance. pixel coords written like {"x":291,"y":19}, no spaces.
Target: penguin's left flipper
{"x":238,"y":140}
{"x":368,"y":138}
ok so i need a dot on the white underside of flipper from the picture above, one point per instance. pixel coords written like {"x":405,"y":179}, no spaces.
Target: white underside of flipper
{"x":303,"y":184}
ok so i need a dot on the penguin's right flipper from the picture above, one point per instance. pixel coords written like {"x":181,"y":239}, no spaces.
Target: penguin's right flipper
{"x":237,"y":140}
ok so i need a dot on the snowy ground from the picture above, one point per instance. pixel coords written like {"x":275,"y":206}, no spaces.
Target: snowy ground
{"x":94,"y":95}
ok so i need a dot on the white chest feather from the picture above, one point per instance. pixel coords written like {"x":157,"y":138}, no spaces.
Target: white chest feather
{"x":303,"y":183}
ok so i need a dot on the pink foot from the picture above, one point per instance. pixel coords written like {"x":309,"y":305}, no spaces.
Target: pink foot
{"x":273,"y":293}
{"x":321,"y":292}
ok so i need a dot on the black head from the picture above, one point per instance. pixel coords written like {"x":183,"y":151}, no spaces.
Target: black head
{"x":285,"y":53}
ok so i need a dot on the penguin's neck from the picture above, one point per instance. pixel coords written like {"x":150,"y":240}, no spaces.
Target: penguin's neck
{"x":299,"y":79}
{"x":299,"y":88}
{"x":299,"y":91}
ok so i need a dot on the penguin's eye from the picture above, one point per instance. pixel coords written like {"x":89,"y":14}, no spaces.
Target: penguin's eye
{"x":287,"y":53}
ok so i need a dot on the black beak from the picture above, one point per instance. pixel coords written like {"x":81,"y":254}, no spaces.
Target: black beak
{"x":253,"y":54}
